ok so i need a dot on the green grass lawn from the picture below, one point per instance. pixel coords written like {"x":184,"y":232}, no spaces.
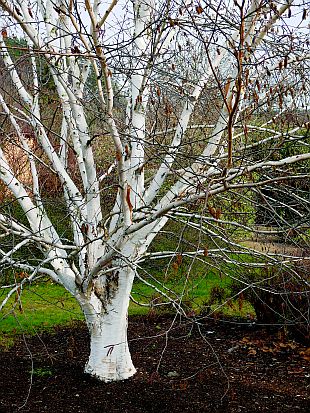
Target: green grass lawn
{"x":41,"y":306}
{"x":45,"y":305}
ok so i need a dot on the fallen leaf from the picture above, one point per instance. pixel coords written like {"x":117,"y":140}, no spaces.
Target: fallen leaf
{"x":267,"y":349}
{"x":297,"y":370}
{"x":305,"y":354}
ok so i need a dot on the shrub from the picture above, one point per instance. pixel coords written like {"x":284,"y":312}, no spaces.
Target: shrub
{"x":282,"y":297}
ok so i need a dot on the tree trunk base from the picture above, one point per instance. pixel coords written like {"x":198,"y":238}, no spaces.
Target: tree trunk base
{"x":110,"y":358}
{"x":109,"y":370}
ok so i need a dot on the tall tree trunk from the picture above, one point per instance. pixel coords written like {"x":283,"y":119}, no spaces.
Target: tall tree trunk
{"x":106,"y":314}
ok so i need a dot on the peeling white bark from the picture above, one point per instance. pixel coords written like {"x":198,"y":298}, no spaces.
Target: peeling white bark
{"x":110,"y":359}
{"x":107,"y":320}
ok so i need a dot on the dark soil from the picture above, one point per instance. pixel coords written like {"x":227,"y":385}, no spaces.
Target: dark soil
{"x":217,"y":367}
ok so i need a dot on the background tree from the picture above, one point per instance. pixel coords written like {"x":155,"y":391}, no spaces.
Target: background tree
{"x":188,"y":106}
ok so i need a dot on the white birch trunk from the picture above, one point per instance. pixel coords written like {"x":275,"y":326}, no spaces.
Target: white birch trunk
{"x":106,"y":315}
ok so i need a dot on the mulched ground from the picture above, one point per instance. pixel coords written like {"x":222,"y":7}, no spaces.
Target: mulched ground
{"x":219,"y":367}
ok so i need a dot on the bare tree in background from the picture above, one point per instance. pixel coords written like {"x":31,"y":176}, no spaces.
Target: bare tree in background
{"x":201,"y":110}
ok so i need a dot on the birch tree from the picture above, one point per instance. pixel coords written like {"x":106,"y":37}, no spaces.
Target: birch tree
{"x":196,"y":101}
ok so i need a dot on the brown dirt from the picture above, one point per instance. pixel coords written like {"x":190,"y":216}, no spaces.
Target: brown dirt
{"x":219,"y":367}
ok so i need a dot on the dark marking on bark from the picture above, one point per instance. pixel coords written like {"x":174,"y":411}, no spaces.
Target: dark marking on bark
{"x":139,"y":170}
{"x":118,"y":155}
{"x":110,"y":350}
{"x":107,"y":291}
{"x":127,"y":152}
{"x":128,"y":200}
{"x":84,"y":231}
